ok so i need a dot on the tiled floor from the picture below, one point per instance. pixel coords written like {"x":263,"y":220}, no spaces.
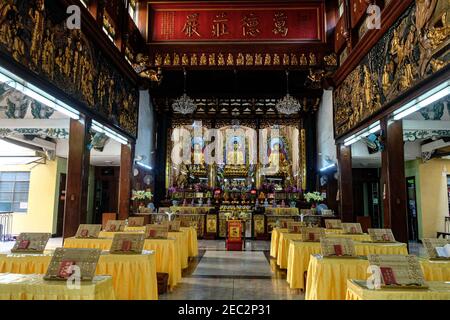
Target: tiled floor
{"x":233,"y":275}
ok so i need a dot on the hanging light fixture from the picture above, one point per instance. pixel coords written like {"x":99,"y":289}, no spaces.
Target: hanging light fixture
{"x":184,"y":104}
{"x":288,"y":105}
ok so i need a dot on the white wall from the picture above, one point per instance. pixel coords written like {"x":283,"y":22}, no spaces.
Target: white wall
{"x":325,"y":137}
{"x":145,"y":143}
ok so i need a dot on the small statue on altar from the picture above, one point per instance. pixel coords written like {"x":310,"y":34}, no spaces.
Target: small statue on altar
{"x":235,"y":156}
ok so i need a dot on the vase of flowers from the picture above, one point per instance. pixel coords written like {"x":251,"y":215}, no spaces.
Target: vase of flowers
{"x":141,"y":196}
{"x":313,"y":198}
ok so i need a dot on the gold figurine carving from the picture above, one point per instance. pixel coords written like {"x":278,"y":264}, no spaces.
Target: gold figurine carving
{"x":303,"y":60}
{"x":258,"y":59}
{"x":276,"y":59}
{"x":230,"y":60}
{"x":185,"y":60}
{"x":194,"y":60}
{"x":220,"y":60}
{"x":212,"y":59}
{"x":286,"y":59}
{"x":176,"y":59}
{"x":267,"y":59}
{"x":240,"y":59}
{"x":203,"y":60}
{"x":249,"y":59}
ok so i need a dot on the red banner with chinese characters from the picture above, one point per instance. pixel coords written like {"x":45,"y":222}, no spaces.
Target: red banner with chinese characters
{"x":240,"y":22}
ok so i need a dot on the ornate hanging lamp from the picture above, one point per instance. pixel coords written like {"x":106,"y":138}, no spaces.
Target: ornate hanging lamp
{"x":184,"y":104}
{"x":288,"y":105}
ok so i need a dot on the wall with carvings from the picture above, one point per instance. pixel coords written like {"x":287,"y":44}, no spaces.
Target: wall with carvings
{"x":411,"y":51}
{"x":34,"y":36}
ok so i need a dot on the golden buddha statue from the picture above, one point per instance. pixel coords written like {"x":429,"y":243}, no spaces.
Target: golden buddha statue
{"x":198,"y":156}
{"x":236,"y":156}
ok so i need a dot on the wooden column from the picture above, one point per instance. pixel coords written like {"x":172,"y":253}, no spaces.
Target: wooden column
{"x":75,"y":210}
{"x":344,"y":156}
{"x":126,"y":168}
{"x":393,"y":181}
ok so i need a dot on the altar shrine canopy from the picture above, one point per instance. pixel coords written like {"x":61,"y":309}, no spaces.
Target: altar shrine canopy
{"x":224,"y":150}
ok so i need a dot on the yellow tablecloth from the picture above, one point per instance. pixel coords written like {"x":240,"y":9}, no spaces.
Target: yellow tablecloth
{"x":354,"y":237}
{"x":166,"y":250}
{"x":285,"y":238}
{"x":192,"y":241}
{"x":191,"y":210}
{"x":327,"y":277}
{"x":437,"y":291}
{"x":134,"y":276}
{"x":283,"y":246}
{"x":134,"y":229}
{"x":300,"y":252}
{"x":34,"y":287}
{"x":274,"y":241}
{"x":335,"y":231}
{"x":182,"y":246}
{"x":191,"y":250}
{"x":435,"y":270}
{"x":282,"y":211}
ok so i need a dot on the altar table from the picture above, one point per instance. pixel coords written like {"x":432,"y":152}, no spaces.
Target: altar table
{"x":166,"y":253}
{"x":300,"y":252}
{"x":133,"y":276}
{"x":34,"y":287}
{"x":327,"y":277}
{"x":437,"y":291}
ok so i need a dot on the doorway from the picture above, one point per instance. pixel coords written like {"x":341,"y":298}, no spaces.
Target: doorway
{"x":61,"y":204}
{"x":413,"y":229}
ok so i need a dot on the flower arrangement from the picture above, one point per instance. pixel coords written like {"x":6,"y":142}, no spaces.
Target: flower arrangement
{"x":268,"y":187}
{"x":141,"y":195}
{"x":313,"y":197}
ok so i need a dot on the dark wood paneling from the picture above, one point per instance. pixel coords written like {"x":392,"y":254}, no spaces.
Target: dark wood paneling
{"x":358,"y":10}
{"x":77,"y":178}
{"x":126,"y":167}
{"x":393,"y":179}
{"x":344,"y":156}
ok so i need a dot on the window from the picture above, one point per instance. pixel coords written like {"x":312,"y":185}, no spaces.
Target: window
{"x":14,"y":188}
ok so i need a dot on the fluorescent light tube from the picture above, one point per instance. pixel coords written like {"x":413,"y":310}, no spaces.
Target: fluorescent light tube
{"x":37,"y":94}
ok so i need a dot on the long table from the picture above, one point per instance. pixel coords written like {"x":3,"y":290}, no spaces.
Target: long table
{"x":166,"y":253}
{"x":437,"y":290}
{"x":300,"y":253}
{"x":283,"y":238}
{"x":133,"y":276}
{"x":327,"y":277}
{"x":34,"y":287}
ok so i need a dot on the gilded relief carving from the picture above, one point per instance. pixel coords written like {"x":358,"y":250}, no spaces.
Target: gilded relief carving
{"x":414,"y":48}
{"x":67,"y":59}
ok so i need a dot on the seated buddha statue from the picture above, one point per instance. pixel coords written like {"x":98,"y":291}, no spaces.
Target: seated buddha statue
{"x":198,"y":156}
{"x":236,"y":156}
